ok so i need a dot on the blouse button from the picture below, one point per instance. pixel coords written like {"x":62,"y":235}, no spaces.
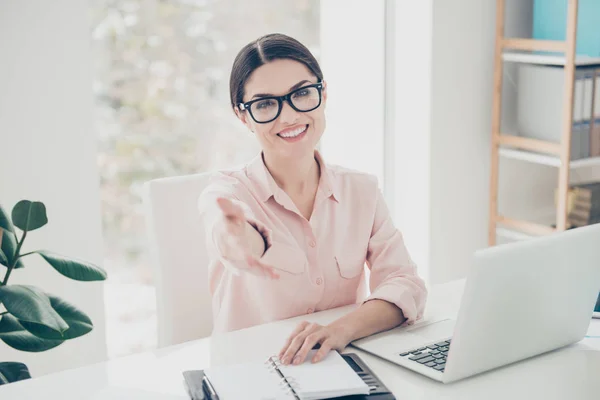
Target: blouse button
{"x":319,"y":281}
{"x":310,"y":311}
{"x":312,"y":243}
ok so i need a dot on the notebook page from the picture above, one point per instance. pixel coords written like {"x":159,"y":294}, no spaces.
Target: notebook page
{"x":330,"y":377}
{"x":249,"y":381}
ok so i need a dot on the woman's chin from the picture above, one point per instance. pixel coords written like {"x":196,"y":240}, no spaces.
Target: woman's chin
{"x":297,"y":151}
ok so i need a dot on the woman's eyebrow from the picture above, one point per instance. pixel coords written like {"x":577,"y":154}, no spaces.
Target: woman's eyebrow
{"x":296,"y":86}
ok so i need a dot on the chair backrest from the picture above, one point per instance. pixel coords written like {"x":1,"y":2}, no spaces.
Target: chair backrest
{"x":177,"y":241}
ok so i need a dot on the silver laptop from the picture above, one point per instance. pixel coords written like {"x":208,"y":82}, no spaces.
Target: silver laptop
{"x":520,"y":300}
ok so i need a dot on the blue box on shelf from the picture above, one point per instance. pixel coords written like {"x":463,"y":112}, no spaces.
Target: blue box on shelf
{"x":550,"y":23}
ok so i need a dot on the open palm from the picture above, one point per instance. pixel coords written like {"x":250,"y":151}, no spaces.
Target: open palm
{"x":235,"y":240}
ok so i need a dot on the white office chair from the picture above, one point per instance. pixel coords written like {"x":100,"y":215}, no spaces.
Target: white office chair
{"x":177,"y":241}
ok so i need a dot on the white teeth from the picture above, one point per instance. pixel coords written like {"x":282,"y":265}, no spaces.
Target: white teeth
{"x":293,"y":133}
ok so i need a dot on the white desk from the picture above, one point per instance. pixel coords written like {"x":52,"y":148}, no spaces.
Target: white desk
{"x":572,"y":373}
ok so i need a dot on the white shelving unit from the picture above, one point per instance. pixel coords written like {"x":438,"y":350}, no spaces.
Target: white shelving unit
{"x":546,"y":159}
{"x":547,"y":152}
{"x":544,"y":217}
{"x":512,"y":234}
{"x":539,"y":58}
{"x":547,"y":59}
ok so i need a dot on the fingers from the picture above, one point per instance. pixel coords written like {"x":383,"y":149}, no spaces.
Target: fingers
{"x":290,"y":355}
{"x":230,"y":209}
{"x":310,"y":342}
{"x":325,"y":348}
{"x":259,"y":268}
{"x":233,"y":216}
{"x":234,"y":242}
{"x":301,"y":326}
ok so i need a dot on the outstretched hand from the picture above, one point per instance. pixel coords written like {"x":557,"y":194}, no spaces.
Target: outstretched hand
{"x":234,"y":240}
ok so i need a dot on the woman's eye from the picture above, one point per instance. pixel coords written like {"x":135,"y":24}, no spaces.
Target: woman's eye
{"x":302,"y":93}
{"x":264,"y":104}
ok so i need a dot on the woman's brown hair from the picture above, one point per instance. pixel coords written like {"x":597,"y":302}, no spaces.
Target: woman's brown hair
{"x":261,"y":51}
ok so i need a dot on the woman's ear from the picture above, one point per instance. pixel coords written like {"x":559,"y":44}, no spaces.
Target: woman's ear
{"x":243,"y":116}
{"x":324,"y":91}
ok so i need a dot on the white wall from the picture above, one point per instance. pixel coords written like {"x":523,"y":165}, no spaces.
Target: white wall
{"x":462,"y":78}
{"x":461,"y":105}
{"x":352,"y":60}
{"x":442,"y":122}
{"x":411,"y":125}
{"x":437,"y":62}
{"x":48,"y":153}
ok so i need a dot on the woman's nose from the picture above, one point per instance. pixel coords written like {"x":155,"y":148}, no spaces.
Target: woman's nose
{"x":288,"y":114}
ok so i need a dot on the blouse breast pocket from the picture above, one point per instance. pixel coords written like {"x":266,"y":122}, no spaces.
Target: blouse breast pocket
{"x":286,"y":258}
{"x":278,"y":296}
{"x":350,"y":281}
{"x":351,"y":261}
{"x":349,"y":267}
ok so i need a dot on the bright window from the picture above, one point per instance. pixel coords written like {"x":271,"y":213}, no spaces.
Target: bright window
{"x":162,"y":109}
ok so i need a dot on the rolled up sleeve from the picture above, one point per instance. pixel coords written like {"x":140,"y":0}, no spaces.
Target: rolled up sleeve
{"x":393,"y":276}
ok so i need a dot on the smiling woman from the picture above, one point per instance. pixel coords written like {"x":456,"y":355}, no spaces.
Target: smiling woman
{"x":289,"y":234}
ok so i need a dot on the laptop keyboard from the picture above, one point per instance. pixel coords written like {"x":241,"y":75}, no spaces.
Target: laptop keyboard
{"x":432,"y":356}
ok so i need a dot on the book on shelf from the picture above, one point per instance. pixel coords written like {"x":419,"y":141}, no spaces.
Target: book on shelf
{"x":582,"y":192}
{"x":583,"y":204}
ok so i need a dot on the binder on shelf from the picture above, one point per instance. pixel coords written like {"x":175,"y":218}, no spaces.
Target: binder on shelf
{"x":580,"y":131}
{"x":539,"y":105}
{"x":584,"y":139}
{"x":595,"y":138}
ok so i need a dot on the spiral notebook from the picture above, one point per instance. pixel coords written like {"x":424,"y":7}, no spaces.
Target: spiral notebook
{"x":330,"y":377}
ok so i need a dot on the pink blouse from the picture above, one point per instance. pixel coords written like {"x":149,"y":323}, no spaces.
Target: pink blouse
{"x":321,"y":262}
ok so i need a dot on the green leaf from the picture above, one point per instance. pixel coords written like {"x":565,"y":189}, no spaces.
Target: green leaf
{"x":30,"y":304}
{"x":28,"y":216}
{"x":14,"y":335}
{"x":79,"y":323}
{"x":3,"y":259}
{"x":9,"y":246}
{"x":5,"y":221}
{"x":13,"y":372}
{"x":74,"y":269}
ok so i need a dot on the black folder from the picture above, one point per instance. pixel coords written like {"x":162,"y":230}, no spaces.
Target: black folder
{"x":199,"y":388}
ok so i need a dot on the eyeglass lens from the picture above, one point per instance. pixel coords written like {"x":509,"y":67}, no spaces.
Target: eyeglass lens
{"x":304,"y":99}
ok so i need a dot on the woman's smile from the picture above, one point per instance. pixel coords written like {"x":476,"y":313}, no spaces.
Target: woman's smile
{"x":293,"y":134}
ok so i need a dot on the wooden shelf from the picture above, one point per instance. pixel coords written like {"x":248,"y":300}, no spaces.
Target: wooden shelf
{"x":526,"y":227}
{"x":535,"y":225}
{"x":548,"y":59}
{"x":545,"y":159}
{"x":534,"y":45}
{"x":531,"y":224}
{"x":529,"y":144}
{"x":512,"y":234}
{"x":541,"y":52}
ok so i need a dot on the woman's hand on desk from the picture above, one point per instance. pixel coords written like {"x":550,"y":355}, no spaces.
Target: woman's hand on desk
{"x":306,"y":336}
{"x":371,"y":317}
{"x":239,"y":242}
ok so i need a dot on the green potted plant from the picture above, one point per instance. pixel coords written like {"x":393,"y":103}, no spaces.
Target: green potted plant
{"x":30,"y":319}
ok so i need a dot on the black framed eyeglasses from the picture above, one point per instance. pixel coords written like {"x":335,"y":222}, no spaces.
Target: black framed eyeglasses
{"x":267,"y":109}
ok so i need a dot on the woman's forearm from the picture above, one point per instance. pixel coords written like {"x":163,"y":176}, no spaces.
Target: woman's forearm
{"x":371,"y":317}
